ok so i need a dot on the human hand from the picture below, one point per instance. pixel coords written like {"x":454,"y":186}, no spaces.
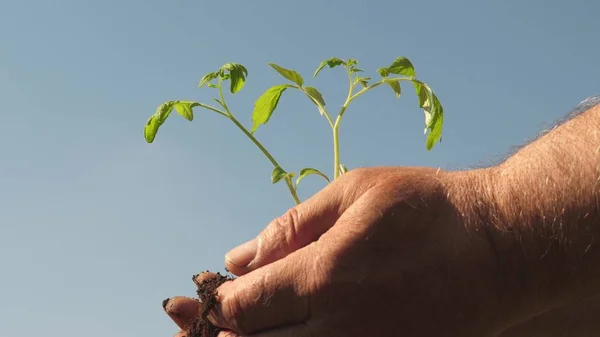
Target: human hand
{"x":379,"y":252}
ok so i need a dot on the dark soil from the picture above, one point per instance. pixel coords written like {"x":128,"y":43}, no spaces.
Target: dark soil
{"x":202,"y":327}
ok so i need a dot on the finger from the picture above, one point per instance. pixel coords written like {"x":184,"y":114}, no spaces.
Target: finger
{"x":274,"y":295}
{"x":182,"y":310}
{"x":279,"y":294}
{"x":298,"y":227}
{"x":181,"y":334}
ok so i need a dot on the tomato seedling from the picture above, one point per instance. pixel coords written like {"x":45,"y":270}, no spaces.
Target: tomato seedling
{"x":400,"y":70}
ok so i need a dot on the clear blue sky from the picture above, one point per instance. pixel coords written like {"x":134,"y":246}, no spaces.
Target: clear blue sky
{"x":97,"y":227}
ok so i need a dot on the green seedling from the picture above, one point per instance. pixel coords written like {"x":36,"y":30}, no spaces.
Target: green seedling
{"x":400,"y":70}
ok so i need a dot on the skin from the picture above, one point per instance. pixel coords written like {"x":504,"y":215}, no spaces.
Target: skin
{"x":510,"y":250}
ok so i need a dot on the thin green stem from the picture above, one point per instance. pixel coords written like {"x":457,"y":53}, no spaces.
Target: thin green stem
{"x":336,"y":152}
{"x":364,"y":90}
{"x":229,"y":115}
{"x":328,"y":117}
{"x":336,"y":128}
{"x":223,"y":96}
{"x":321,"y":107}
{"x":213,"y":109}
{"x":288,"y":180}
{"x":374,"y":85}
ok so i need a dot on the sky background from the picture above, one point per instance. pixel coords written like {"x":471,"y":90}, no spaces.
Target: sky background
{"x":97,"y":227}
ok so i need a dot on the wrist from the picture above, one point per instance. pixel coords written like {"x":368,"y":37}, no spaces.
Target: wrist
{"x":472,"y":194}
{"x":545,"y":256}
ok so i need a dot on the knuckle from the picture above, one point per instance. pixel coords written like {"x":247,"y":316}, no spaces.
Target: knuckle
{"x":284,"y":230}
{"x":357,"y":181}
{"x":232,"y":312}
{"x":319,"y":271}
{"x":357,"y":173}
{"x":361,"y":176}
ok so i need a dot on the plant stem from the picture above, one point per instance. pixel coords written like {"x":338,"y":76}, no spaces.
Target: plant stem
{"x":229,"y":115}
{"x":222,"y":113}
{"x":288,"y":180}
{"x":321,"y":107}
{"x":375,"y":85}
{"x":336,"y":128}
{"x":336,"y":150}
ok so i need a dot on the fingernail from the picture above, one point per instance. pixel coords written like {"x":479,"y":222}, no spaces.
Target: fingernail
{"x":165,"y":302}
{"x":183,"y":310}
{"x":242,"y":255}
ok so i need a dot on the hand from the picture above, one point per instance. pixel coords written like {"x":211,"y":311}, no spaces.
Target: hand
{"x":379,"y":252}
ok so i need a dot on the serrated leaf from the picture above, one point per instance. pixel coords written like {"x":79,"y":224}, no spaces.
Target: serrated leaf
{"x":207,"y":78}
{"x":266,"y":104}
{"x":184,"y":108}
{"x":308,"y":171}
{"x":236,"y":73}
{"x":395,"y":85}
{"x":316,"y":97}
{"x":356,"y":70}
{"x":331,"y":62}
{"x":434,"y":120}
{"x":155,"y":121}
{"x":422,"y":91}
{"x":401,"y":66}
{"x":238,"y":78}
{"x":289,"y":74}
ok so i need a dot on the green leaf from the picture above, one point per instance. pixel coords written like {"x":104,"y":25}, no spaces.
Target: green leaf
{"x":211,"y":85}
{"x":291,"y":75}
{"x":151,"y":129}
{"x":343,"y":169}
{"x":236,"y":73}
{"x":395,"y":85}
{"x":207,"y":78}
{"x":308,"y":171}
{"x":184,"y":108}
{"x":331,"y":62}
{"x":266,"y":104}
{"x":384,"y":72}
{"x":156,"y":120}
{"x":422,"y":91}
{"x":364,"y":81}
{"x":279,"y":174}
{"x":434,"y":120}
{"x":316,"y":97}
{"x":402,"y":66}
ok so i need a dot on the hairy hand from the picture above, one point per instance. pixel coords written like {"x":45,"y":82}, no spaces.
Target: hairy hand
{"x":379,"y":252}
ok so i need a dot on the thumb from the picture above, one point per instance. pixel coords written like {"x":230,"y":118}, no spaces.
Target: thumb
{"x":298,"y":227}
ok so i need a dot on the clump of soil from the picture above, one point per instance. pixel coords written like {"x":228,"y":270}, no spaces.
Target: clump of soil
{"x":202,"y":327}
